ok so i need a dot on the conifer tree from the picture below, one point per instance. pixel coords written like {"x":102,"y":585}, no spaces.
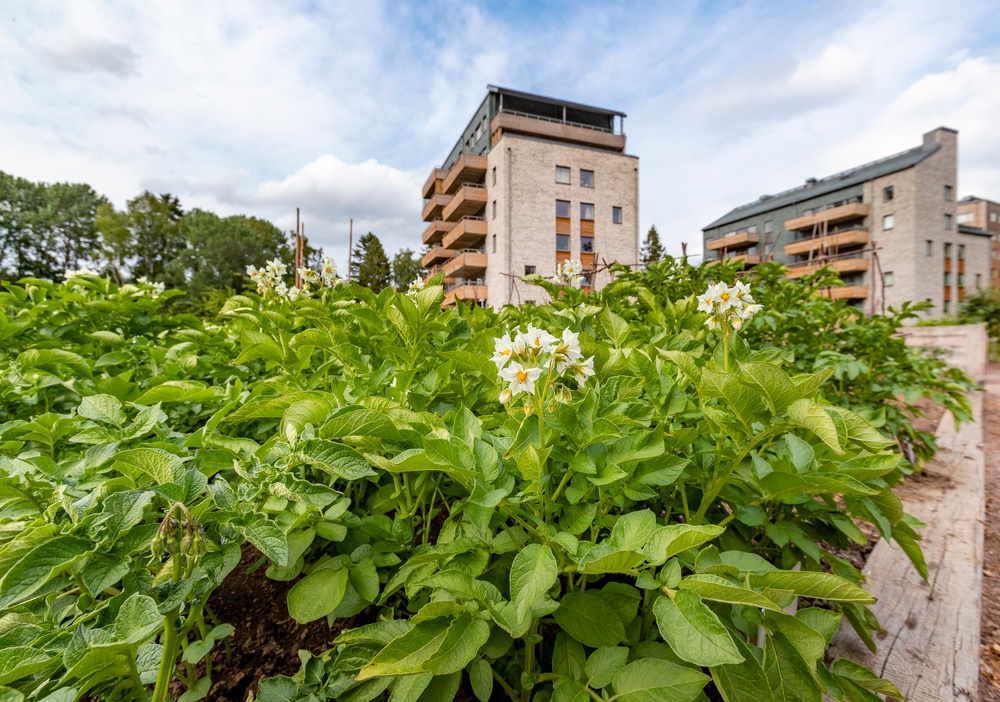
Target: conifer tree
{"x":369,"y":265}
{"x":652,"y":249}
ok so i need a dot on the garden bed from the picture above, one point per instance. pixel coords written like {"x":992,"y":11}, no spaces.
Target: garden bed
{"x":989,"y":680}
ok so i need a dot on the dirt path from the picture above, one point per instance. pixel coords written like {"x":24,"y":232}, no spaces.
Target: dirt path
{"x":989,"y":680}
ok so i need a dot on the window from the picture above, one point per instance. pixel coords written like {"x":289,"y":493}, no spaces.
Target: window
{"x":947,"y":279}
{"x":948,"y":190}
{"x":768,"y":226}
{"x":947,"y":250}
{"x":494,"y":209}
{"x":586,"y":211}
{"x":888,"y":193}
{"x":947,"y":306}
{"x":586,"y":179}
{"x":562,"y":208}
{"x":494,"y":243}
{"x":562,"y":242}
{"x":993,"y":216}
{"x":961,"y":252}
{"x":964,"y":218}
{"x":562,"y":174}
{"x":586,"y":244}
{"x":888,"y":222}
{"x":947,"y":221}
{"x":961,"y":280}
{"x":528,"y":270}
{"x":616,"y":215}
{"x":494,"y":175}
{"x":979,"y":279}
{"x":887,"y":279}
{"x":930,"y":247}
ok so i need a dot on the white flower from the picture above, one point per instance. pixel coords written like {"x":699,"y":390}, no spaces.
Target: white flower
{"x":329,"y":269}
{"x":713,"y":323}
{"x":747,"y":310}
{"x":253,"y":272}
{"x":569,"y":273}
{"x":568,"y":351}
{"x":281,"y":288}
{"x":506,"y":396}
{"x":293,"y":293}
{"x":521,"y":379}
{"x":583,"y":370}
{"x":503,"y":350}
{"x":706,"y":301}
{"x":276,"y":268}
{"x":741,"y":292}
{"x":538,"y":339}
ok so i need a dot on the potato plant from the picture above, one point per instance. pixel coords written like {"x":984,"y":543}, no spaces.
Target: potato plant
{"x":596,"y":499}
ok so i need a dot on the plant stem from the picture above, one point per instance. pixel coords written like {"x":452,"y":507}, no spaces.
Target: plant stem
{"x":505,"y":685}
{"x":529,"y":658}
{"x":166,"y":671}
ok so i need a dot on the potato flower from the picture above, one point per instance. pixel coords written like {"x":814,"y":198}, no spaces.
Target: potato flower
{"x":727,"y":307}
{"x":534,"y":355}
{"x":521,"y":379}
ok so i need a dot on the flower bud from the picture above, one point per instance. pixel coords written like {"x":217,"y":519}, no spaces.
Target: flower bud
{"x":506,"y":396}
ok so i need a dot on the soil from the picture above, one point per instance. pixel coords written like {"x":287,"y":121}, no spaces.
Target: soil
{"x":266,"y":641}
{"x":989,"y":678}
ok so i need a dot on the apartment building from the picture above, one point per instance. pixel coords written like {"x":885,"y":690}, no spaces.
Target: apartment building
{"x":983,"y":214}
{"x":532,"y":181}
{"x":888,"y":227}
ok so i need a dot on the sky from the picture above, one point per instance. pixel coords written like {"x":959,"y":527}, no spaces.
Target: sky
{"x":342,"y":109}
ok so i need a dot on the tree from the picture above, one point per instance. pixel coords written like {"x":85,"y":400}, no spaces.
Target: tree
{"x":369,"y":264}
{"x":158,"y":237}
{"x":652,"y":249}
{"x":405,"y":268}
{"x":220,"y":249}
{"x":116,"y":239}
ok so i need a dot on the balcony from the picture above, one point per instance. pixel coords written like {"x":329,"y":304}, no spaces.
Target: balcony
{"x":518,"y":123}
{"x":738,"y":240}
{"x":853,"y":210}
{"x":433,"y":206}
{"x":469,"y":168}
{"x":437,"y":254}
{"x":468,"y":291}
{"x":847,"y":292}
{"x":469,"y":233}
{"x":467,"y":264}
{"x":429,"y":184}
{"x":435,"y":232}
{"x":837,"y":240}
{"x":467,"y":200}
{"x":746,"y":259}
{"x":852,"y":264}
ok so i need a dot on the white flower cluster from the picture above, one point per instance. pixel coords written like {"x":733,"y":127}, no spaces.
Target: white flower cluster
{"x":569,"y":273}
{"x":270,"y":283}
{"x":525,"y":358}
{"x":154,"y":289}
{"x":730,"y":306}
{"x":415,"y":287}
{"x":70,"y":274}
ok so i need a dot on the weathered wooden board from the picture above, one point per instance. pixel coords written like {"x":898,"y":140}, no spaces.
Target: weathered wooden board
{"x":930,"y":648}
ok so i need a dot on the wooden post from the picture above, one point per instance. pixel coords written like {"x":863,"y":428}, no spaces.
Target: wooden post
{"x":298,"y":249}
{"x":350,"y":248}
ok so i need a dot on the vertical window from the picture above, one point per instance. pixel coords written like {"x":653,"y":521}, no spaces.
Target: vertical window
{"x":888,"y":193}
{"x":948,"y":190}
{"x":993,"y":216}
{"x":494,"y":175}
{"x":562,"y":242}
{"x":769,"y":226}
{"x":961,"y":280}
{"x":979,"y":279}
{"x":930,"y":247}
{"x":586,"y":244}
{"x":562,"y":174}
{"x":494,"y":243}
{"x":947,"y":279}
{"x":616,"y":215}
{"x":562,"y":208}
{"x":528,"y":270}
{"x":888,"y":222}
{"x":887,"y":278}
{"x":586,"y":178}
{"x":961,"y":252}
{"x":494,"y":209}
{"x":947,"y":250}
{"x":947,"y":307}
{"x":587,"y":211}
{"x":947,"y":221}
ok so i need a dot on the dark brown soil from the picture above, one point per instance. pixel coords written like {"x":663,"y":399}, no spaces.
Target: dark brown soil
{"x":989,"y":679}
{"x":266,"y":641}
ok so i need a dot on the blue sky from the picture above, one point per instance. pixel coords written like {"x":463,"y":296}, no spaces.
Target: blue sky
{"x":343,"y":108}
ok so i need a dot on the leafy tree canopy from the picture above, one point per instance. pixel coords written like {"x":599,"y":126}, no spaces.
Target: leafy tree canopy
{"x":369,"y":264}
{"x":405,"y":268}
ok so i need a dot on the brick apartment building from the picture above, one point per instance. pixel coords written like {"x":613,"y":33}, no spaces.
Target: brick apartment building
{"x":983,"y":214}
{"x":531,"y":182}
{"x":889,"y":228}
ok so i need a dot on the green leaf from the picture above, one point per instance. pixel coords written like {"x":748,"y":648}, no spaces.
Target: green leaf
{"x":693,"y":631}
{"x":437,"y":645}
{"x":861,"y":432}
{"x":809,"y":415}
{"x":137,"y":619}
{"x":656,"y":680}
{"x":17,"y":662}
{"x":313,"y":410}
{"x":589,"y":620}
{"x":718,"y":589}
{"x":865,"y":678}
{"x":773,"y":383}
{"x":177,"y":391}
{"x":738,"y":682}
{"x":633,"y":530}
{"x":317,"y":594}
{"x":481,"y":679}
{"x":462,"y":641}
{"x":54,"y":361}
{"x":358,"y":421}
{"x":599,"y":560}
{"x":668,"y":541}
{"x":268,"y":538}
{"x":787,"y":672}
{"x":408,"y":688}
{"x":156,"y":463}
{"x":105,"y":409}
{"x":8,"y":694}
{"x":471,"y":362}
{"x":807,"y":641}
{"x":280,"y":688}
{"x":39,"y":565}
{"x":603,"y":664}
{"x":337,"y":459}
{"x":532,"y":575}
{"x":820,"y":586}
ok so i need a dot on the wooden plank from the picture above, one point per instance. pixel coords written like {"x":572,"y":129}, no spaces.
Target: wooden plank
{"x":930,"y":648}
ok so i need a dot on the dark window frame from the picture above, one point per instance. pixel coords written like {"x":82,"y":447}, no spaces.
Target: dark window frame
{"x":592,"y":178}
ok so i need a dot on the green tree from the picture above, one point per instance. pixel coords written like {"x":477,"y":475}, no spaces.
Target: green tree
{"x":220,"y":249}
{"x":156,"y":223}
{"x":369,"y":264}
{"x":405,"y":268}
{"x":116,"y":239}
{"x":652,"y":249}
{"x":983,"y":306}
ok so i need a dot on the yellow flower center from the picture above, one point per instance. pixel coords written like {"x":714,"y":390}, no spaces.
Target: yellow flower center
{"x":521,"y":376}
{"x":505,"y":352}
{"x":724,"y":296}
